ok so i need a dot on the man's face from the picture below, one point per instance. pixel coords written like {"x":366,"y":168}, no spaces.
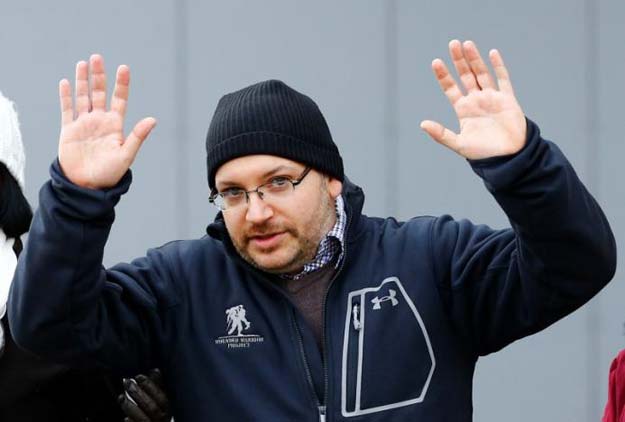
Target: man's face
{"x":278,"y":235}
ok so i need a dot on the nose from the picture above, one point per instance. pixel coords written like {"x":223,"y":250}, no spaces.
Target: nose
{"x":257,"y":210}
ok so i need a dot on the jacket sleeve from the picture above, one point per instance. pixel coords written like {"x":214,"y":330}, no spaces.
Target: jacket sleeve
{"x":501,"y":285}
{"x":65,"y":306}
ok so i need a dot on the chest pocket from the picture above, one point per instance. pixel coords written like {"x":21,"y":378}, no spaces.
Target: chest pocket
{"x":388,"y":360}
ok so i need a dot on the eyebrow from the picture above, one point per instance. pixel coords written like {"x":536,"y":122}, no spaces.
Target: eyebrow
{"x":279,"y":169}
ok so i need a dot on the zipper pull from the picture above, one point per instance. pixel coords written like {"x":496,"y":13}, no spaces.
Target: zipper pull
{"x":355,"y":318}
{"x":322,"y":414}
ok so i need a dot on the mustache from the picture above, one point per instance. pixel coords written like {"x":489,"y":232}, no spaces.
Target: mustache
{"x":266,"y":229}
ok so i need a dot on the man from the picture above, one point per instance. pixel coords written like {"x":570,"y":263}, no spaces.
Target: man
{"x":346,"y":315}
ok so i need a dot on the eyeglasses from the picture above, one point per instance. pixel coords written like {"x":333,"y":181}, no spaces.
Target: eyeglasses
{"x":277,"y":188}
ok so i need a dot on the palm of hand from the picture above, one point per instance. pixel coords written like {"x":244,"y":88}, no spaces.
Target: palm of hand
{"x":490,"y":118}
{"x":90,"y":148}
{"x":491,"y":124}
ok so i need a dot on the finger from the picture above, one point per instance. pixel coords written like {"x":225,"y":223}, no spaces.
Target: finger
{"x":462,"y":67}
{"x":440,"y":133}
{"x":131,"y":409}
{"x":143,"y":400}
{"x":98,"y":82}
{"x":120,"y":93}
{"x":479,"y":68}
{"x":156,"y":376}
{"x":152,"y":389}
{"x":503,"y":78}
{"x":65,"y":97}
{"x":446,"y":81}
{"x":82,"y":88}
{"x":139,"y":133}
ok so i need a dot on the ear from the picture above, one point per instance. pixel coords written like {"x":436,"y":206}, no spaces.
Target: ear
{"x":335,"y":187}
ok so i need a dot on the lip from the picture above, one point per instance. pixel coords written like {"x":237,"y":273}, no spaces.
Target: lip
{"x":267,"y":241}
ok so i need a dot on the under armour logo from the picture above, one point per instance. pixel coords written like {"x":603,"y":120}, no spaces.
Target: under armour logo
{"x":378,"y":300}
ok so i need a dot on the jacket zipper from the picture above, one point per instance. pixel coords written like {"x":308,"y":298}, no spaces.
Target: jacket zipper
{"x":323,"y":326}
{"x":320,"y":408}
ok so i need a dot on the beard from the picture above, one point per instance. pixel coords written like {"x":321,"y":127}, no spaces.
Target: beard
{"x":297,"y":251}
{"x":299,"y":246}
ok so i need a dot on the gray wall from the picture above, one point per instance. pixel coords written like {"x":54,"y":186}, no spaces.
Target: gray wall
{"x":367,"y":65}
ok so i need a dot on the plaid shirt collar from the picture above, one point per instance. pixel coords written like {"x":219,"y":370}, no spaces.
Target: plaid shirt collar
{"x":330,"y":246}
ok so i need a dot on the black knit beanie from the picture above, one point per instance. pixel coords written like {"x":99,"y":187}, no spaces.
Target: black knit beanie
{"x":270,"y":118}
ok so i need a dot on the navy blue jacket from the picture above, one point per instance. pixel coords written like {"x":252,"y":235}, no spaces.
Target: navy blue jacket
{"x":412,"y":307}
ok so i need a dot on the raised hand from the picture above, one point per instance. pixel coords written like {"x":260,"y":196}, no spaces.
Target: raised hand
{"x":93,"y":151}
{"x":491,"y":120}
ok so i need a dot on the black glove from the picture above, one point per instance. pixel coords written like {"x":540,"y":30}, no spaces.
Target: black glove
{"x":144,"y":399}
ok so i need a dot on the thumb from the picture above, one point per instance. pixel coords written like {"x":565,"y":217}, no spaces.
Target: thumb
{"x":440,"y":133}
{"x":139,"y":133}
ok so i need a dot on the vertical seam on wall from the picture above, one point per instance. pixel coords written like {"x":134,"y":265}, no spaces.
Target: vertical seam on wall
{"x":180,"y":135}
{"x":391,"y":141}
{"x":592,"y":143}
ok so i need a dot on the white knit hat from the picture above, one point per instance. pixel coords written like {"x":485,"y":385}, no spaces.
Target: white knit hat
{"x":11,"y":147}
